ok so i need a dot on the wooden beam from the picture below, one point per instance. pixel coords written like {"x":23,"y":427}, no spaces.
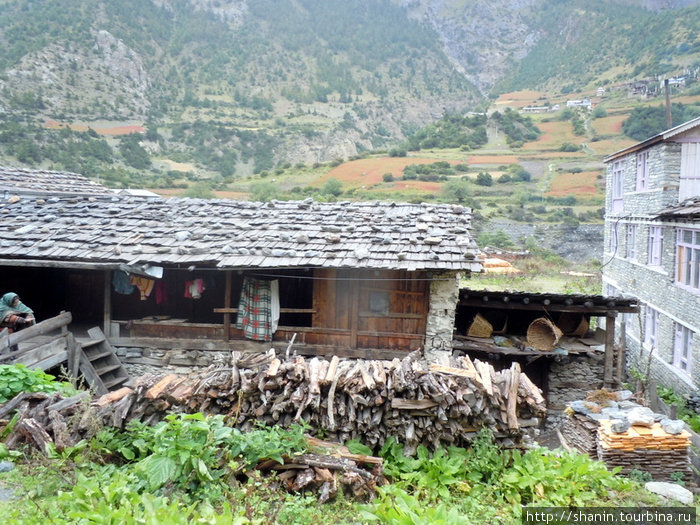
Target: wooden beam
{"x":599,"y":310}
{"x":621,"y":351}
{"x":227,"y":306}
{"x":107,"y":303}
{"x":609,"y":349}
{"x":282,"y":311}
{"x":44,"y":327}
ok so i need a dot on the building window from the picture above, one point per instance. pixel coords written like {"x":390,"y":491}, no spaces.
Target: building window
{"x":642,"y":170}
{"x":617,"y":187}
{"x":651,"y":327}
{"x":688,"y":259}
{"x":690,"y":170}
{"x":631,"y":245}
{"x":656,"y":240}
{"x":682,"y":349}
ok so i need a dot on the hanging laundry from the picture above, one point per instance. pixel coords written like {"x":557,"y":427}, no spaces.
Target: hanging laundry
{"x":255,"y":309}
{"x":194,"y":289}
{"x":121,"y":284}
{"x":161,"y":293}
{"x":144,"y":285}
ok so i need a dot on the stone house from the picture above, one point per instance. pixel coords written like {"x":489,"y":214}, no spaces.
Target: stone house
{"x":652,"y":251}
{"x":356,"y":279}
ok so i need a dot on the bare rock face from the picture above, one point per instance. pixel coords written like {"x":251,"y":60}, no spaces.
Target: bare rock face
{"x":482,"y":38}
{"x":121,"y":61}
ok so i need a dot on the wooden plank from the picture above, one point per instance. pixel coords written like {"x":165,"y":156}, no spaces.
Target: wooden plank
{"x":282,"y":310}
{"x":412,"y":404}
{"x":42,"y":328}
{"x":512,"y":397}
{"x":43,"y":352}
{"x":461,"y":372}
{"x":51,"y":361}
{"x":90,"y":374}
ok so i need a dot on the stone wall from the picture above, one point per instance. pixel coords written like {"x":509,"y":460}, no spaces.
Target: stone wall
{"x":572,"y":377}
{"x":444,"y":294}
{"x":578,"y":244}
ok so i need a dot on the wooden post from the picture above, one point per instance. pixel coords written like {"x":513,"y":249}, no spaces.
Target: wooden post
{"x":227,"y":304}
{"x":107,"y":304}
{"x":621,"y":351}
{"x":609,"y":348}
{"x":354,"y":311}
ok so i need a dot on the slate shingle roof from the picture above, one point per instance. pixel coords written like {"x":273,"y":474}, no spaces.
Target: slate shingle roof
{"x":234,"y":234}
{"x":688,"y":209}
{"x":23,"y":181}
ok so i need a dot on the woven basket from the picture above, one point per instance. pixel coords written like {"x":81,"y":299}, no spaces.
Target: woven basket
{"x":573,"y":324}
{"x":480,"y":327}
{"x":543,"y":334}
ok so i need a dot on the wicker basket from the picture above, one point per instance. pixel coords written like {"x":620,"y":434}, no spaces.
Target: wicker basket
{"x":573,"y":324}
{"x":480,"y":327}
{"x":543,"y":334}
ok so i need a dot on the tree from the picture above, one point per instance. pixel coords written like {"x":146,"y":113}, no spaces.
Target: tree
{"x":264,"y":191}
{"x":457,"y":190}
{"x":484,"y":179}
{"x":332,"y":187}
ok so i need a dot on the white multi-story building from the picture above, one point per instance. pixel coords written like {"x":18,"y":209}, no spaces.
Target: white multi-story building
{"x":652,"y":251}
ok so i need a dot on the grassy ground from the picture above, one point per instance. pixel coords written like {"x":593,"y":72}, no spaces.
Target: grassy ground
{"x":544,"y":274}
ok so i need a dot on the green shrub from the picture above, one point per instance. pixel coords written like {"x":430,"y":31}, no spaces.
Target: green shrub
{"x":15,"y":379}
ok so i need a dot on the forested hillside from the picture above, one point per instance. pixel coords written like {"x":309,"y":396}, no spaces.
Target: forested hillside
{"x":226,"y":88}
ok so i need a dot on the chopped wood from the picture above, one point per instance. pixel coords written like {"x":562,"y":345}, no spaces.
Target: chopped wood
{"x":161,"y":385}
{"x":112,"y":397}
{"x":412,"y":404}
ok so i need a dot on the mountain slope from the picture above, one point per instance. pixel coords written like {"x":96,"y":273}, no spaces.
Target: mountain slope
{"x":240,"y":86}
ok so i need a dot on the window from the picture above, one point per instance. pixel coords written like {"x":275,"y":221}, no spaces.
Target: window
{"x":617,"y":172}
{"x":690,"y":170}
{"x":656,"y":239}
{"x":682,"y":349}
{"x":651,"y":326}
{"x":642,"y":170}
{"x":688,"y":259}
{"x":631,"y":245}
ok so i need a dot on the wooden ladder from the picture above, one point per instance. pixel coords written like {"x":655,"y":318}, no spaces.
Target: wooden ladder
{"x":99,"y":364}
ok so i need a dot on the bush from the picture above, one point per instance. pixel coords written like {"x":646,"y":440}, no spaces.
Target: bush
{"x":504,"y":178}
{"x":569,"y":147}
{"x":15,"y":379}
{"x":484,"y":179}
{"x":332,"y":187}
{"x":388,"y":177}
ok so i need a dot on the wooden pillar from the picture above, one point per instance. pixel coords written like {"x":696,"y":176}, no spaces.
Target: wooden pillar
{"x":227,"y":305}
{"x":354,"y":310}
{"x":107,"y":300}
{"x":609,"y":348}
{"x":621,"y":351}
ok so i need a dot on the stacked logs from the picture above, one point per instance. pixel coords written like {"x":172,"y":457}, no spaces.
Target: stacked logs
{"x":345,"y":399}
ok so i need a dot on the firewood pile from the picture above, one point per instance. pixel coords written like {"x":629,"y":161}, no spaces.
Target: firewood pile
{"x":347,"y":398}
{"x":367,"y":400}
{"x":582,"y":433}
